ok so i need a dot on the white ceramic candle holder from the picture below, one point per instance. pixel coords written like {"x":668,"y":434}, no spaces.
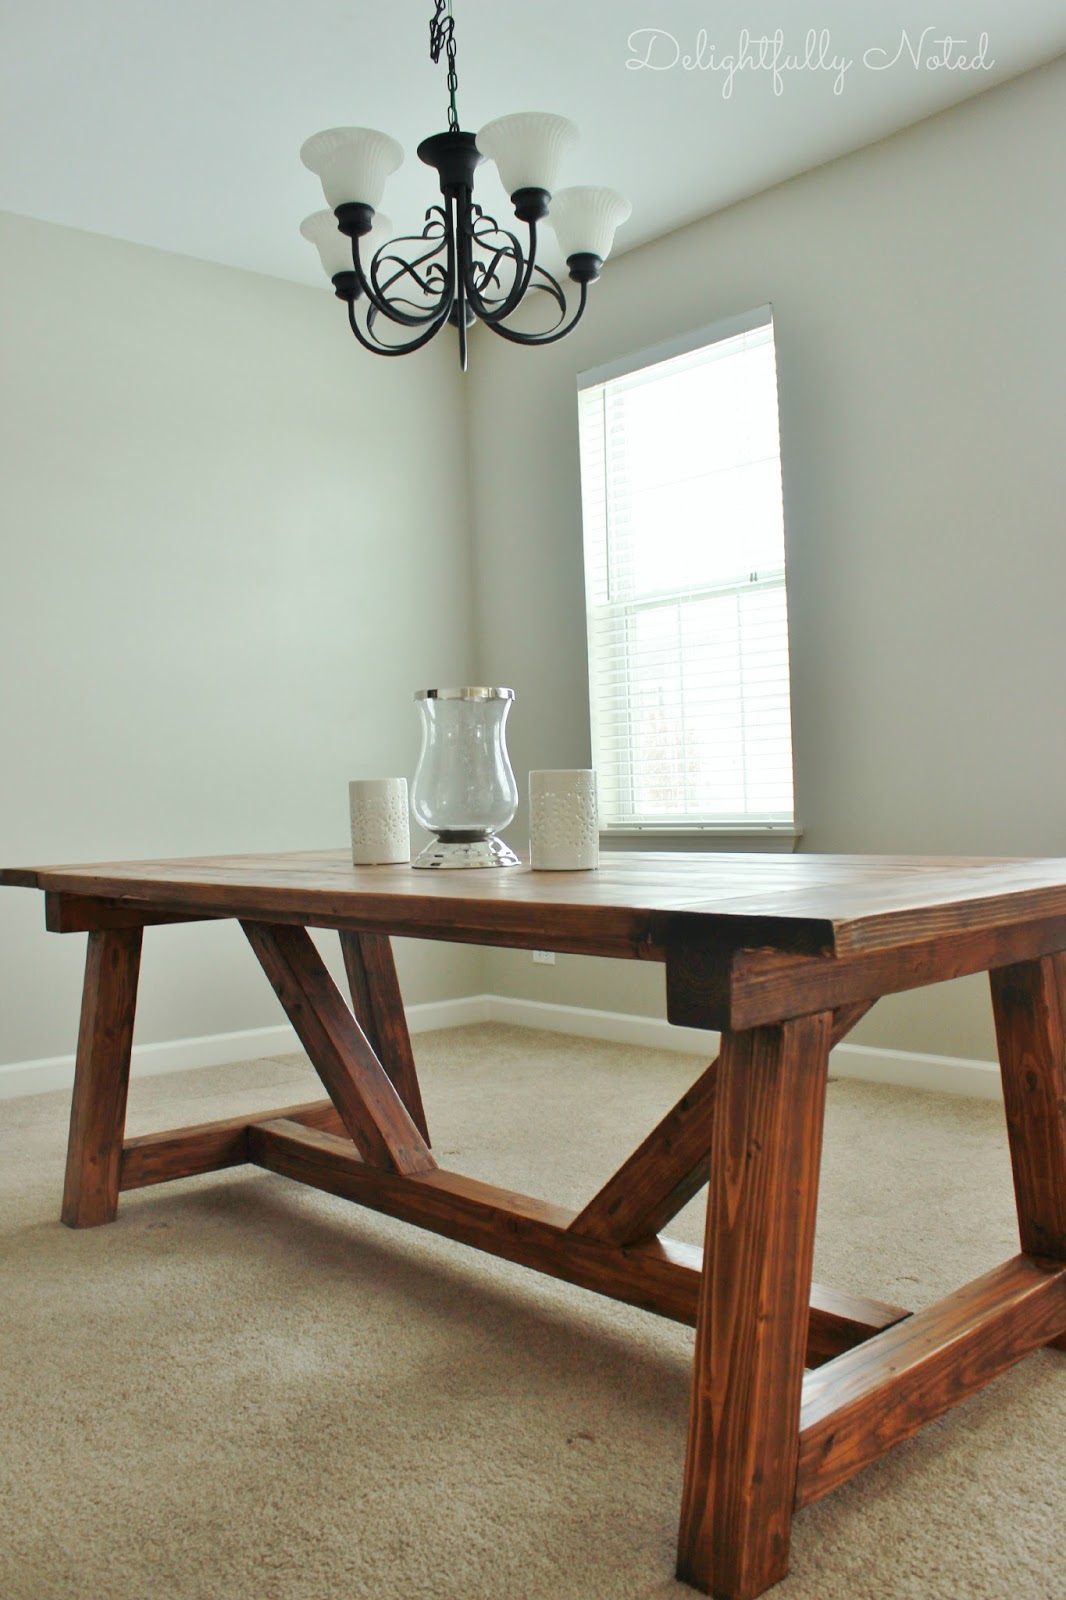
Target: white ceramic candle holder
{"x":564,"y":831}
{"x":381,"y":831}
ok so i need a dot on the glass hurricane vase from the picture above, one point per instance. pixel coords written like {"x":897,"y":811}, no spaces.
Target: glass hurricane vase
{"x":464,"y":791}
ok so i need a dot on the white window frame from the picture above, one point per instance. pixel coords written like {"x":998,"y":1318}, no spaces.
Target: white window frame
{"x":628,"y":826}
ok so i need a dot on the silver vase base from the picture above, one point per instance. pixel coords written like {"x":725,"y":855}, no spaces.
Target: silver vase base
{"x":490,"y":852}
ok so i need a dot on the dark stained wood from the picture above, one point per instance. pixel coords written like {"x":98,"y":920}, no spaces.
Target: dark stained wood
{"x":662,"y":1175}
{"x":1029,"y":1003}
{"x":708,"y":985}
{"x":70,"y":913}
{"x":371,"y":1110}
{"x":320,"y":1114}
{"x":640,"y":904}
{"x":858,"y":1406}
{"x":378,"y":1003}
{"x":840,"y":1321}
{"x":532,"y":1232}
{"x":22,"y":877}
{"x":663,"y":1276}
{"x":183,"y":1153}
{"x":209,"y":1146}
{"x":673,"y":1163}
{"x":740,"y":1469}
{"x":847,"y":1017}
{"x":323,"y":889}
{"x":783,"y":954}
{"x":101,"y":1078}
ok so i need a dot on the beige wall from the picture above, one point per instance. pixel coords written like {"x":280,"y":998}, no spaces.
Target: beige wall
{"x":214,"y":601}
{"x":916,"y":288}
{"x":220,"y":578}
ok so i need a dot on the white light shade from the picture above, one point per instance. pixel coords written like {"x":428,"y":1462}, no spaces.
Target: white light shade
{"x":352,"y":163}
{"x":335,"y":248}
{"x":528,"y":148}
{"x":585,"y":219}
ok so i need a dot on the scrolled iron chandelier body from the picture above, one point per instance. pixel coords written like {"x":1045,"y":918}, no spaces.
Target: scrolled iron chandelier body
{"x":463,"y":267}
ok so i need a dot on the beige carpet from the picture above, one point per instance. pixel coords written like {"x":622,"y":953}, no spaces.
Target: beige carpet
{"x":247,"y":1389}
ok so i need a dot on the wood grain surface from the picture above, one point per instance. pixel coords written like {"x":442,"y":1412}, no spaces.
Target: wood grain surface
{"x":740,"y":1469}
{"x":372,"y":1112}
{"x":710,"y":985}
{"x":661,"y":1276}
{"x":860,"y":1405}
{"x":378,"y":1005}
{"x":210,"y":1146}
{"x":671,"y":1165}
{"x":101,"y":1078}
{"x":1029,"y":1003}
{"x":637,"y":904}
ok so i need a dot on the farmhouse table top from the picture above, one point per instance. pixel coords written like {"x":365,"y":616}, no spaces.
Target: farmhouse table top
{"x":795,"y":1387}
{"x":819,"y":903}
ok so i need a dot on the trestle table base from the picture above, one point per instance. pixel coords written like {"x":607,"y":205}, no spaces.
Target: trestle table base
{"x":795,"y":1387}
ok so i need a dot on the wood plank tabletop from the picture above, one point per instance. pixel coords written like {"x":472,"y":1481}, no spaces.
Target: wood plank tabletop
{"x":817,"y":903}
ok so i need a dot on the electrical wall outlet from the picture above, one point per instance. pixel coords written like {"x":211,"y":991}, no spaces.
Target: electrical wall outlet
{"x":544,"y":958}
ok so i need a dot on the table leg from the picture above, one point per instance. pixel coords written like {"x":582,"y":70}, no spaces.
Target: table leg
{"x":740,"y":1473}
{"x":101,"y":1077}
{"x":1029,"y":1002}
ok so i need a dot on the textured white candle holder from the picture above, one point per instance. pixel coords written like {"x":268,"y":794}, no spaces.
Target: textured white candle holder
{"x":564,"y":831}
{"x":381,"y":831}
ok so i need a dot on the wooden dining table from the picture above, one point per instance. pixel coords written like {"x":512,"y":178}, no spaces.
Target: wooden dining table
{"x":796,"y":1386}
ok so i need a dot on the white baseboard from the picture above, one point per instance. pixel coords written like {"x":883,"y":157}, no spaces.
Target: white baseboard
{"x":218,"y":1049}
{"x":175,"y":1055}
{"x":620,"y":1026}
{"x":947,"y":1074}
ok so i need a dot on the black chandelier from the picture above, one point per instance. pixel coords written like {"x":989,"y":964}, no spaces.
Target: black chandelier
{"x":463,"y":267}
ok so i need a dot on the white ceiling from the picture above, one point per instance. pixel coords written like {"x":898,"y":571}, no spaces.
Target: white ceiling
{"x":178,"y":124}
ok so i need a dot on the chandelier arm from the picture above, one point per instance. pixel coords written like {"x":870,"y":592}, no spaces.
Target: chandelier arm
{"x":370,"y":290}
{"x":375,"y":292}
{"x":518,"y":337}
{"x":551,"y":287}
{"x":378,"y":348}
{"x":410,"y":269}
{"x":525,"y":266}
{"x":392,"y":307}
{"x":404,"y":269}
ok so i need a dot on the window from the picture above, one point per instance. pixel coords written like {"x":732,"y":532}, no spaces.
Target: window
{"x":685,"y":586}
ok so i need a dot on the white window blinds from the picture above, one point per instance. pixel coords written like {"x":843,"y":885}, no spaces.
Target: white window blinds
{"x":685,"y":589}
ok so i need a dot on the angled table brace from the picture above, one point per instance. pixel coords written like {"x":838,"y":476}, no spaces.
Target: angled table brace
{"x":370,"y":1108}
{"x":673,"y":1163}
{"x":378,"y":1004}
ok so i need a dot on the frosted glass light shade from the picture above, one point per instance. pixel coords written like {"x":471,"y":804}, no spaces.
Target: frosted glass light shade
{"x":352,"y":163}
{"x":335,"y":248}
{"x":528,"y":148}
{"x":585,"y":219}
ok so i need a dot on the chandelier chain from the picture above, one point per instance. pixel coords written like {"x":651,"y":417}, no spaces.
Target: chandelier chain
{"x":442,"y":37}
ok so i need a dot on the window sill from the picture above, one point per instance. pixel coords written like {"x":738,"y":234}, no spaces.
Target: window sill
{"x":780,"y":841}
